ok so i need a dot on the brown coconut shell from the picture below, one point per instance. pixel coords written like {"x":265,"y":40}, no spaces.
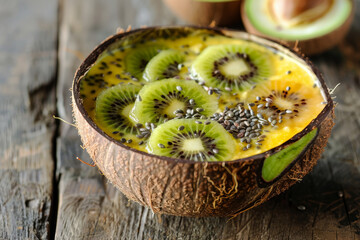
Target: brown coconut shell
{"x":311,"y":46}
{"x":188,"y":188}
{"x":204,"y":13}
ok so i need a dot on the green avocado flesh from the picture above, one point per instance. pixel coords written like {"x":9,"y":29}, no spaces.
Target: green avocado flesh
{"x":260,"y":18}
{"x":276,"y":163}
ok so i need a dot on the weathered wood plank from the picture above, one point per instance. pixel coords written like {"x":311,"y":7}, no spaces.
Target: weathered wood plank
{"x":28,"y":50}
{"x":84,"y":25}
{"x":324,"y":205}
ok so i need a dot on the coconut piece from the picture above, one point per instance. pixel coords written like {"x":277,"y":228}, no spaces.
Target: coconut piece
{"x":188,"y":188}
{"x":223,"y":13}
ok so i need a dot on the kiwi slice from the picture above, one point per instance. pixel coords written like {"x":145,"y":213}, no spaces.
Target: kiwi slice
{"x":170,"y":98}
{"x":138,"y":58}
{"x":113,"y":107}
{"x":166,"y":64}
{"x":232,"y":67}
{"x":190,"y":139}
{"x":275,"y":164}
{"x":284,"y":100}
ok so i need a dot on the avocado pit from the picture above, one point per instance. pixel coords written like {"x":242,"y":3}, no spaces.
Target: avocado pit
{"x":294,"y":12}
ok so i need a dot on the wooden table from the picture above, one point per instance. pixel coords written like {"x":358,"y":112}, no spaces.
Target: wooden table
{"x":45,"y":193}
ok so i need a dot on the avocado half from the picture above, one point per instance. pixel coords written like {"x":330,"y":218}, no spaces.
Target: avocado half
{"x":188,"y":188}
{"x":312,"y":34}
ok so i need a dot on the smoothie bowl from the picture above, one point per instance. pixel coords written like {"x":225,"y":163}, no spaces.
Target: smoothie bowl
{"x":199,"y":122}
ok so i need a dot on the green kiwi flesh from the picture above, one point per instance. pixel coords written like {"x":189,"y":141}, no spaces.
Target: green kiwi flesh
{"x":275,"y":164}
{"x":196,"y":140}
{"x":166,"y":64}
{"x":138,"y":58}
{"x":113,"y":107}
{"x":233,"y":66}
{"x":170,"y":98}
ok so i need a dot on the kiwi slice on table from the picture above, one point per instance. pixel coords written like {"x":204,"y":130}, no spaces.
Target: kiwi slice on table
{"x":166,"y":64}
{"x":112,"y":110}
{"x":191,"y":139}
{"x":173,"y":98}
{"x":232,"y":67}
{"x":138,"y":58}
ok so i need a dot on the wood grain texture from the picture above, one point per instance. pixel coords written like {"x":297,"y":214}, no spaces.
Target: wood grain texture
{"x":325,"y":205}
{"x":28,"y":49}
